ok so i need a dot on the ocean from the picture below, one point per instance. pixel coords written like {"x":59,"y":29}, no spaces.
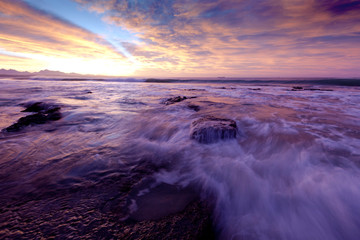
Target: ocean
{"x":120,"y":160}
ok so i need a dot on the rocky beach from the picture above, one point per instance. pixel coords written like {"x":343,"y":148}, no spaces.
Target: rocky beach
{"x":244,"y":159}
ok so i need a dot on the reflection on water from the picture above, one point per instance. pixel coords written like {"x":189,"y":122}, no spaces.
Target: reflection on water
{"x":291,"y":173}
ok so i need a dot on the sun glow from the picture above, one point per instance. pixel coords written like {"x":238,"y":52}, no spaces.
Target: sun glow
{"x":103,"y":65}
{"x":100,"y":66}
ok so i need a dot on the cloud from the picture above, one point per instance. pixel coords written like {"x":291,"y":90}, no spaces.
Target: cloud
{"x":237,"y":36}
{"x":55,"y":43}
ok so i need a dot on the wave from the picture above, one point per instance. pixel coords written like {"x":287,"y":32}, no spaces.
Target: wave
{"x":266,"y":81}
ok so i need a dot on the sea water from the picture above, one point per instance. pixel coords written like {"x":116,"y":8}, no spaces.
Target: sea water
{"x":292,"y":172}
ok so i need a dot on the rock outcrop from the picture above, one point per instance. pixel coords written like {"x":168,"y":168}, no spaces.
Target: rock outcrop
{"x":175,"y":100}
{"x":211,"y":129}
{"x":296,"y":88}
{"x":43,"y":113}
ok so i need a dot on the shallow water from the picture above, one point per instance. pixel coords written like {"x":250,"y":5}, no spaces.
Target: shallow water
{"x":291,"y":173}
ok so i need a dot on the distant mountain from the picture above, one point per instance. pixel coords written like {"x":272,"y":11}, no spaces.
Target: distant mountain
{"x":56,"y":74}
{"x":42,"y":73}
{"x":11,"y":72}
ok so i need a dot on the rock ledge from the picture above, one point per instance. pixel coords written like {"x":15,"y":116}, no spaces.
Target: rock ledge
{"x":210,"y":129}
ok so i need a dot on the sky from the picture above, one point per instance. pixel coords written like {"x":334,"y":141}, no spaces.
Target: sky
{"x":182,"y":38}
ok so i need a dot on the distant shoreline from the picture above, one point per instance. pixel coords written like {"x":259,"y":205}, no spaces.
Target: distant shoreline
{"x":223,"y":80}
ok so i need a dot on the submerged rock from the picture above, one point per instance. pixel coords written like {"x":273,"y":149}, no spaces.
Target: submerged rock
{"x":196,"y":108}
{"x":160,"y":201}
{"x":211,"y":129}
{"x":175,"y":100}
{"x":43,"y":113}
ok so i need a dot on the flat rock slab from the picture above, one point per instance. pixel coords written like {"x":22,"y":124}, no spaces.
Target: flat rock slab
{"x":162,"y":201}
{"x":194,"y":222}
{"x":211,"y":129}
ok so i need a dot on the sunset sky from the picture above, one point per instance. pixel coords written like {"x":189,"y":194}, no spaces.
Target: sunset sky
{"x":183,"y":38}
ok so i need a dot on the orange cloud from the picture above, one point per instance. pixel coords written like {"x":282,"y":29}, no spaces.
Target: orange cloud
{"x":55,"y":44}
{"x":240,"y":38}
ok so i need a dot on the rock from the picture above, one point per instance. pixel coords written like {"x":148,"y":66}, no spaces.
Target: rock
{"x":309,"y":89}
{"x":194,"y":89}
{"x":196,"y":108}
{"x":40,"y":107}
{"x":175,"y":100}
{"x":160,"y":201}
{"x":194,"y":222}
{"x":317,"y":89}
{"x":232,"y":88}
{"x":44,"y":113}
{"x":37,"y":118}
{"x":211,"y":129}
{"x":297,"y":88}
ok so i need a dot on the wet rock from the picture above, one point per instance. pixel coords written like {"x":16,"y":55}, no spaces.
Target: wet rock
{"x":211,"y":129}
{"x":297,"y":88}
{"x":175,"y":100}
{"x":231,"y":88}
{"x":160,"y":201}
{"x":317,"y":89}
{"x":194,"y":222}
{"x":309,"y":89}
{"x":194,"y":89}
{"x":43,"y":113}
{"x":40,"y":107}
{"x":196,"y":108}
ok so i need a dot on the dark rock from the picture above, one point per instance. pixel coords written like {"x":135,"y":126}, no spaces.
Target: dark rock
{"x":38,"y":118}
{"x":53,"y":110}
{"x":54,"y":116}
{"x":309,"y":89}
{"x":211,"y":129}
{"x":194,"y":89}
{"x":40,"y":107}
{"x":255,"y":89}
{"x":194,"y":222}
{"x":297,"y":88}
{"x":232,"y":88}
{"x":175,"y":100}
{"x":196,"y":108}
{"x":317,"y":89}
{"x":44,"y":113}
{"x":161,"y":201}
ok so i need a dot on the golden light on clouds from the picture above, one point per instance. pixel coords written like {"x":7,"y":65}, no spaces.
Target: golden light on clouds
{"x":54,"y":44}
{"x":189,"y":38}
